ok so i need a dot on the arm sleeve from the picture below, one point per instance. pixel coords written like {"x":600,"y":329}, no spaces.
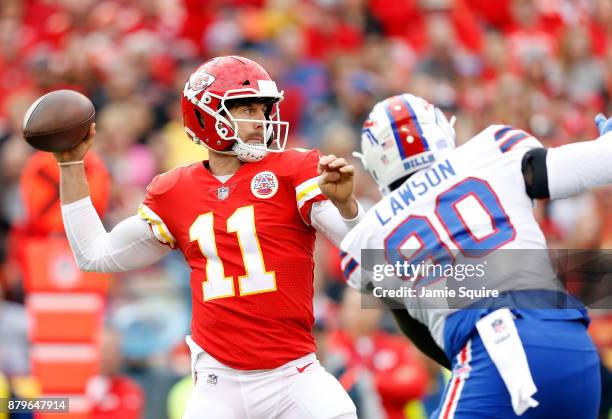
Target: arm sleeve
{"x":535,"y":174}
{"x":130,"y":245}
{"x":419,"y":334}
{"x":579,"y":167}
{"x":350,"y":260}
{"x":307,"y":190}
{"x":326,"y":219}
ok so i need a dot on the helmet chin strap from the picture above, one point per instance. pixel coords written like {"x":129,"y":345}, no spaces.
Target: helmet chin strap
{"x":251,"y":152}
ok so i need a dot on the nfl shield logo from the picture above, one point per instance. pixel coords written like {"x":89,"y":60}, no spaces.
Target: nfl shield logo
{"x":223,"y":192}
{"x":462,"y":370}
{"x":211,"y":380}
{"x":498,"y":325}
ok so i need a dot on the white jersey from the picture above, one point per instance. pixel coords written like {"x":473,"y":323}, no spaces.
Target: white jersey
{"x":461,"y":210}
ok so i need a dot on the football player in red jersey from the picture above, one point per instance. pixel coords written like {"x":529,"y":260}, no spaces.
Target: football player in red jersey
{"x":245,"y":221}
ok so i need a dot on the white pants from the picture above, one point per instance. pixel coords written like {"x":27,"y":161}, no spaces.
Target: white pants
{"x":221,"y":392}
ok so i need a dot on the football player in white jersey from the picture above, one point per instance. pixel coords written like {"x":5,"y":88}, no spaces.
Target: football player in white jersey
{"x":516,"y":342}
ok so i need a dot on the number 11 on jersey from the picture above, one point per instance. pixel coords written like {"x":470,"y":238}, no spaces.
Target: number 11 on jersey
{"x":256,"y":279}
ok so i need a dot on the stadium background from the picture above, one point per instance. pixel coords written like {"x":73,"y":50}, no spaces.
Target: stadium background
{"x":542,"y":65}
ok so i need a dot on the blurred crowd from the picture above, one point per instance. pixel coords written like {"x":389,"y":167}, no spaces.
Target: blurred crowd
{"x":542,"y":65}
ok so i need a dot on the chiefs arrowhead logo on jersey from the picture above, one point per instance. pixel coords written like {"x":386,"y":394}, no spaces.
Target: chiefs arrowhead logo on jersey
{"x":264,"y":185}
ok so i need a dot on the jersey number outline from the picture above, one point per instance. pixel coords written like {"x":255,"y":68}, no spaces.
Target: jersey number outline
{"x":449,"y":216}
{"x":256,"y":279}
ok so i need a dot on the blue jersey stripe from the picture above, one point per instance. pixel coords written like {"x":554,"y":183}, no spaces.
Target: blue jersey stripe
{"x":501,"y":132}
{"x":350,"y":268}
{"x":509,"y":143}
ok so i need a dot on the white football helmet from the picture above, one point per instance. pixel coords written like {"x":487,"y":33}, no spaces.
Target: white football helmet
{"x":403,"y":134}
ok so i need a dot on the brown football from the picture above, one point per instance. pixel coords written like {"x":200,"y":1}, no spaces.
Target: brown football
{"x":58,"y":121}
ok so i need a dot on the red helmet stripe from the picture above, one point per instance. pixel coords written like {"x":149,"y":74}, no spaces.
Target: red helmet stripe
{"x":406,"y":129}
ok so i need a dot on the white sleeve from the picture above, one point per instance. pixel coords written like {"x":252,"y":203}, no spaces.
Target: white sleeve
{"x":130,"y":245}
{"x":579,"y":167}
{"x":324,"y":216}
{"x":360,"y":238}
{"x":350,"y":260}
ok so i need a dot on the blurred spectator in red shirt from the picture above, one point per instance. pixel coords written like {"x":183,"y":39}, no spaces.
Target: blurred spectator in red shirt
{"x":365,"y":355}
{"x":111,"y":394}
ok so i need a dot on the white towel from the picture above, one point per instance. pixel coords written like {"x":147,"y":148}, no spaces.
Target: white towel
{"x":501,"y":340}
{"x":196,"y":351}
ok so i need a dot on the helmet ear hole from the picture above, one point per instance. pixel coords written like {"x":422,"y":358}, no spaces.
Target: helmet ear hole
{"x":199,"y":118}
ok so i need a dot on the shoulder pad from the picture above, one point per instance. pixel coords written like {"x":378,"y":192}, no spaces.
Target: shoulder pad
{"x":164,"y":182}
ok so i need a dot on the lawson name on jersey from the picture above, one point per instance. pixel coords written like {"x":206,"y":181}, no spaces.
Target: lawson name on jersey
{"x":417,"y":186}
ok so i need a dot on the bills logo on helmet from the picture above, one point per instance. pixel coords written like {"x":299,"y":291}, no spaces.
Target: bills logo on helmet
{"x":264,"y":185}
{"x":200,"y":80}
{"x":418,"y":161}
{"x":367,"y":133}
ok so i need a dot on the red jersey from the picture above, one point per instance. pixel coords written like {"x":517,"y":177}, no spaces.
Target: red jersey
{"x":398,"y":374}
{"x":249,"y":244}
{"x":117,"y":397}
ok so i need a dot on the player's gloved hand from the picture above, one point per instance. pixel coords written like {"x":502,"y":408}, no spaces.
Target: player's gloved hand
{"x":603,"y":124}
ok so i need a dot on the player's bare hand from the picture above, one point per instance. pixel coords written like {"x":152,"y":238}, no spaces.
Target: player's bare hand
{"x":336,"y":183}
{"x":78,"y":152}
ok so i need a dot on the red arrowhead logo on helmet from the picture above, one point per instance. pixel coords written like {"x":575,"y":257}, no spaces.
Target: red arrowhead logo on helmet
{"x":200,"y":80}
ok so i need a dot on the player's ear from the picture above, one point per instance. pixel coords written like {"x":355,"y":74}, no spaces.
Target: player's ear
{"x":535,"y":173}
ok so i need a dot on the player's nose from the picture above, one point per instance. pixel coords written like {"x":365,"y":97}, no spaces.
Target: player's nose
{"x":260,"y":115}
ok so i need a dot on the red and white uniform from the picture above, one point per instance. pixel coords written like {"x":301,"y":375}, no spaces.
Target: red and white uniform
{"x":249,"y":240}
{"x":249,"y":244}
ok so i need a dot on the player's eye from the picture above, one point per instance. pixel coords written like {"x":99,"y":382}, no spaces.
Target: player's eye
{"x":246,"y":110}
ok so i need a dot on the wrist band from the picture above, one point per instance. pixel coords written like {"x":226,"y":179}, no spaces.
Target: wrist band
{"x":70,"y":163}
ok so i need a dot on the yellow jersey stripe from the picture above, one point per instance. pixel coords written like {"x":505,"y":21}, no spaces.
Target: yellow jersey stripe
{"x":159,"y":228}
{"x":307,"y":191}
{"x":305,"y":185}
{"x":313,"y":194}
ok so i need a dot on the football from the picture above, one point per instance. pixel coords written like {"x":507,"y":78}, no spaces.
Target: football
{"x":58,"y":121}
